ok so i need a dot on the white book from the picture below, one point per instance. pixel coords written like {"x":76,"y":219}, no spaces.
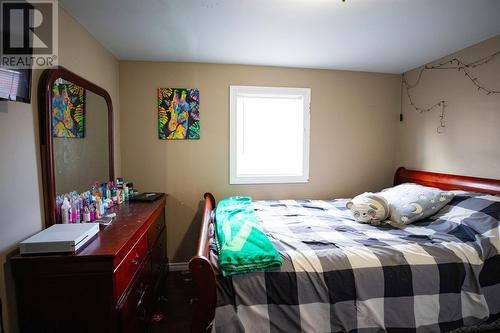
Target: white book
{"x":60,"y":238}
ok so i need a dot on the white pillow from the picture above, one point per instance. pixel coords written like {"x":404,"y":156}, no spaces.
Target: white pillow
{"x":411,"y":202}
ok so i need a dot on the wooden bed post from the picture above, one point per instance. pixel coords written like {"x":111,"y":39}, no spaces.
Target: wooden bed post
{"x":203,"y":273}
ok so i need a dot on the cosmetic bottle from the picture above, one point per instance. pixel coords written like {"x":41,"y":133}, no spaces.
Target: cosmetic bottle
{"x":79,"y":208}
{"x":130,"y":190}
{"x":98,"y":210}
{"x":114,"y":197}
{"x":97,"y":206}
{"x":125,"y":192}
{"x":108,"y":204}
{"x":70,"y":212}
{"x":104,"y":190}
{"x":108,"y":190}
{"x":65,"y":211}
{"x":102,"y":209}
{"x":59,"y":202}
{"x":118,"y":196}
{"x":77,"y":213}
{"x":86,"y":215}
{"x":96,"y":189}
{"x":116,"y":192}
{"x":120,"y":190}
{"x":74,"y":211}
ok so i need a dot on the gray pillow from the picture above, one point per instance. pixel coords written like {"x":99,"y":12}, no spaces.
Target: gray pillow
{"x":411,"y":202}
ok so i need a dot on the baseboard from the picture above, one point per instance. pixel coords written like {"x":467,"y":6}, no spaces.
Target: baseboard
{"x":178,"y":266}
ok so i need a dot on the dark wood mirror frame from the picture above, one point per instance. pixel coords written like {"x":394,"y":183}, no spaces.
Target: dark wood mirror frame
{"x":47,"y":80}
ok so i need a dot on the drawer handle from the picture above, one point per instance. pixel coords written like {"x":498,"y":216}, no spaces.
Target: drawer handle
{"x":141,"y":297}
{"x":135,"y":261}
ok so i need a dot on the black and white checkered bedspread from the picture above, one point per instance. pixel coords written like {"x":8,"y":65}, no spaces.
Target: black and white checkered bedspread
{"x":342,"y":276}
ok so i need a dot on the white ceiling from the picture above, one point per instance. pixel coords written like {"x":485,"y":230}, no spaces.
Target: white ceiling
{"x":390,"y":36}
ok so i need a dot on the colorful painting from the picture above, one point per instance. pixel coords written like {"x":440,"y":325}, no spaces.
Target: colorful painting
{"x":68,"y":111}
{"x":178,"y":114}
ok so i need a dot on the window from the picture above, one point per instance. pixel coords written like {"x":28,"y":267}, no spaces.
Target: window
{"x":269,"y":135}
{"x":9,"y":83}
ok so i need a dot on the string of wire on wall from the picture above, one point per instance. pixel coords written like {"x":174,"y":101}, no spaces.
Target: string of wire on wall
{"x":454,"y":64}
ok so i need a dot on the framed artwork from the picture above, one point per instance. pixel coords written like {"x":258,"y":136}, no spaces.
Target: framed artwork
{"x":178,"y":114}
{"x":68,"y":111}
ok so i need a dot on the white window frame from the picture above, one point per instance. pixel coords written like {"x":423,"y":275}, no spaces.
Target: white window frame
{"x":235,"y":91}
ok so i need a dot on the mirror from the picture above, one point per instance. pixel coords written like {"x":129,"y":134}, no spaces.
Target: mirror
{"x":77,"y":138}
{"x":80,"y":161}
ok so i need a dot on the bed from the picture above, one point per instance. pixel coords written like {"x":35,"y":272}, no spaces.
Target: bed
{"x":431,"y":276}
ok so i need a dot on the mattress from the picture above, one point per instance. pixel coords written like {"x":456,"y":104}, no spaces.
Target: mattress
{"x":338,"y":275}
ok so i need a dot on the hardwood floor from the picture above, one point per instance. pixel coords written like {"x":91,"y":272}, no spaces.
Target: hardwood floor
{"x":176,"y":306}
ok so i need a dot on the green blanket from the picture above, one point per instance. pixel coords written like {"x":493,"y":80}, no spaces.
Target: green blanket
{"x":243,"y":246}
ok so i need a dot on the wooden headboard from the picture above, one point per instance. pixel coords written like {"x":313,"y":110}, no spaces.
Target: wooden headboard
{"x":447,"y":181}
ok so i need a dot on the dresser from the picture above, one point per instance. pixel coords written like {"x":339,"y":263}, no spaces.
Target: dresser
{"x":111,"y":285}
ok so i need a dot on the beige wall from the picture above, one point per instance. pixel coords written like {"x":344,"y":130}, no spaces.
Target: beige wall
{"x":353,"y":117}
{"x":471,"y":142}
{"x":20,"y":172}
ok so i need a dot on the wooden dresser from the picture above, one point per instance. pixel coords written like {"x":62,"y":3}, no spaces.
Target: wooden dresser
{"x":111,"y":285}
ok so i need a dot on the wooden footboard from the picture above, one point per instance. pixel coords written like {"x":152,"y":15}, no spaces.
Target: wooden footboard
{"x":203,"y":273}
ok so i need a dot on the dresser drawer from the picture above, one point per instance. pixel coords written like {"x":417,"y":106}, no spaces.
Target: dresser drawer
{"x":106,"y":287}
{"x":129,"y":266}
{"x":133,"y":308}
{"x":155,"y":229}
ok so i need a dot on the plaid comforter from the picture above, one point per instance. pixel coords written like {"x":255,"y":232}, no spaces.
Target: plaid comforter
{"x":342,"y":276}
